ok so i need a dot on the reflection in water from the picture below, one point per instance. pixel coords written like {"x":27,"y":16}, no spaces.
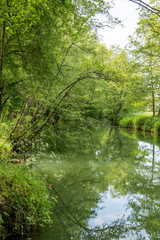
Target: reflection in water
{"x":109,"y":210}
{"x":107,"y":187}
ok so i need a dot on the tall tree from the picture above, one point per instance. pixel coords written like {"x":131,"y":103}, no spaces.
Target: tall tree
{"x":146,"y":43}
{"x":39,"y":39}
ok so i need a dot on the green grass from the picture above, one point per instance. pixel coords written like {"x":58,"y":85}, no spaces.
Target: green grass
{"x":143,"y":114}
{"x":144,"y":122}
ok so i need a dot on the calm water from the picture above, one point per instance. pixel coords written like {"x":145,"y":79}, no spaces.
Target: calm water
{"x":107,"y":185}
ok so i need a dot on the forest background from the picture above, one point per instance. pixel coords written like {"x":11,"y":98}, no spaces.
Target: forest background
{"x":55,"y":75}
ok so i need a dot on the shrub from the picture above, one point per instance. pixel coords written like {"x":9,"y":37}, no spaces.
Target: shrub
{"x":149,"y":123}
{"x":25,"y":201}
{"x":127,"y":122}
{"x":146,"y":123}
{"x":140,"y":122}
{"x":157,"y":127}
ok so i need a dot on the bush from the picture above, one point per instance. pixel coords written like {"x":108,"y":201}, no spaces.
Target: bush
{"x":25,"y":201}
{"x":140,"y":122}
{"x":146,"y":123}
{"x":127,"y":122}
{"x":157,"y":127}
{"x":149,"y":123}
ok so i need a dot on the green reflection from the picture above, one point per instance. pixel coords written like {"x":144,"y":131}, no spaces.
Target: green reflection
{"x":107,"y":187}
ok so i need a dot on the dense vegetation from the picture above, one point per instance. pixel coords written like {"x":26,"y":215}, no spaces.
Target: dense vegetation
{"x":55,"y":77}
{"x":145,"y":123}
{"x":25,"y":201}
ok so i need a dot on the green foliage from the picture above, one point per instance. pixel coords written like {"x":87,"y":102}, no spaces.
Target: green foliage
{"x":140,"y":122}
{"x":25,"y":200}
{"x":127,"y":122}
{"x":146,"y":51}
{"x":59,"y":65}
{"x":5,"y":144}
{"x":67,"y":81}
{"x":157,"y":127}
{"x":145,"y":123}
{"x":150,"y":123}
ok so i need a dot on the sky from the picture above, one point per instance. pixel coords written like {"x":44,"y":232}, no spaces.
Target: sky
{"x":127,"y":13}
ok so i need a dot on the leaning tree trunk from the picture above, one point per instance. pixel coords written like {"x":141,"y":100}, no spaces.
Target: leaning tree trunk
{"x":1,"y":66}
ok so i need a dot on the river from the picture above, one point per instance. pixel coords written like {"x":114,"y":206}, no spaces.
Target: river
{"x":107,"y":186}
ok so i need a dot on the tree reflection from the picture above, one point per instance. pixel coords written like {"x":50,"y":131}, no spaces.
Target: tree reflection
{"x":110,"y":158}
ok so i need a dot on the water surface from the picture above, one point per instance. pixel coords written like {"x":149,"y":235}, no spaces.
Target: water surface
{"x":107,"y":187}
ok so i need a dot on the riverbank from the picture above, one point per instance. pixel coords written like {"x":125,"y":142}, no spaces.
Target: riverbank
{"x":25,"y":200}
{"x":25,"y":196}
{"x":145,"y":123}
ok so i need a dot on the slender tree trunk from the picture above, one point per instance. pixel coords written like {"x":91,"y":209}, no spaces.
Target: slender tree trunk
{"x":118,"y":111}
{"x":1,"y":66}
{"x":32,"y":131}
{"x":153,"y":102}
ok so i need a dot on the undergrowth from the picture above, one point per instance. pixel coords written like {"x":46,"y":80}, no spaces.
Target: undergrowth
{"x":145,"y":123}
{"x":25,"y":200}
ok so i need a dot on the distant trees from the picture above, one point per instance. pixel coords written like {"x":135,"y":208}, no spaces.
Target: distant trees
{"x":146,"y":46}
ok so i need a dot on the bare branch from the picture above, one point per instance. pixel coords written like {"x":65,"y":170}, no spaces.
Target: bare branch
{"x":146,"y":6}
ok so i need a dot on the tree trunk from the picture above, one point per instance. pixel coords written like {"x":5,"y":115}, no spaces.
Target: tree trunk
{"x":153,"y":103}
{"x":118,"y":111}
{"x":1,"y":67}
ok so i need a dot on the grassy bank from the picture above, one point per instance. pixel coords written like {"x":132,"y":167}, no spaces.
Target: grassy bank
{"x":25,"y":197}
{"x":143,"y":122}
{"x":25,"y":200}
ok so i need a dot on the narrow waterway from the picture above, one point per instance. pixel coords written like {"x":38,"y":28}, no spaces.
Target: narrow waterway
{"x":107,"y":186}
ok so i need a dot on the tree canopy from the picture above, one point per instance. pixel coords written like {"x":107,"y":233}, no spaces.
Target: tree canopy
{"x":55,"y":73}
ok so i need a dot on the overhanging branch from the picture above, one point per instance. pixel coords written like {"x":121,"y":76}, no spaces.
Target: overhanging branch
{"x":146,"y":6}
